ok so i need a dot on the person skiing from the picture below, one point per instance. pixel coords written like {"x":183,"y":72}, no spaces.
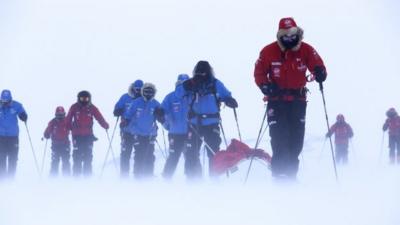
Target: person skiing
{"x":120,"y":108}
{"x":80,"y":120}
{"x":58,"y":131}
{"x":141,"y":119}
{"x":205,"y":94}
{"x":343,"y":132}
{"x":280,"y":73}
{"x":176,"y":110}
{"x":10,"y":111}
{"x":392,"y":124}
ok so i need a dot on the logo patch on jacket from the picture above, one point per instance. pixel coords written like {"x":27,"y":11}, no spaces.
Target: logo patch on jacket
{"x":276,"y":72}
{"x":139,"y":112}
{"x":176,"y":106}
{"x":271,"y":112}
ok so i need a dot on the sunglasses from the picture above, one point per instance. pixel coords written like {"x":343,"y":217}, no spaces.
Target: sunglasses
{"x":84,"y":99}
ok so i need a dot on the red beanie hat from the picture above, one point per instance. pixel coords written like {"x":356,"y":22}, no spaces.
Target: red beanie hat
{"x":287,"y":23}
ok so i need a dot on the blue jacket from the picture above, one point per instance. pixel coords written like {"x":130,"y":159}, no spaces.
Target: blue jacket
{"x":124,"y":103}
{"x":176,"y":111}
{"x":204,"y":102}
{"x":8,"y":118}
{"x":141,"y":117}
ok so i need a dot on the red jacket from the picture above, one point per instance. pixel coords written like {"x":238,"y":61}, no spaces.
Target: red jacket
{"x":80,"y":119}
{"x":393,"y":124}
{"x":58,"y":131}
{"x":286,"y":68}
{"x":342,"y":131}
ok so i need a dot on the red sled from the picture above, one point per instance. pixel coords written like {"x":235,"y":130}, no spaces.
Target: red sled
{"x":236,"y":152}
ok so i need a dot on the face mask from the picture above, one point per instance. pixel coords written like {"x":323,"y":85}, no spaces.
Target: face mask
{"x":290,"y":42}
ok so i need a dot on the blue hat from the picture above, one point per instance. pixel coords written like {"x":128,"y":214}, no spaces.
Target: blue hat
{"x":134,"y":88}
{"x":6,"y":96}
{"x":182,"y":78}
{"x":138,"y":84}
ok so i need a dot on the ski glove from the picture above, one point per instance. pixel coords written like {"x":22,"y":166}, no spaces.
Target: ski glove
{"x":231,"y":102}
{"x":124,"y":123}
{"x":270,"y":90}
{"x":159,"y":114}
{"x":320,"y":74}
{"x":23,"y":116}
{"x":118,"y":112}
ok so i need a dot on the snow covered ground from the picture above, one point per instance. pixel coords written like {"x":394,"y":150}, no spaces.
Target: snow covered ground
{"x":51,"y":49}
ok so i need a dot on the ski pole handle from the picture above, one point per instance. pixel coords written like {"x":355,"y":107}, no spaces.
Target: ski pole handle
{"x":321,"y":86}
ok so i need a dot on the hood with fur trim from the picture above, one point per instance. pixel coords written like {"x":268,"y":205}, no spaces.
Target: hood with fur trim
{"x":287,"y":26}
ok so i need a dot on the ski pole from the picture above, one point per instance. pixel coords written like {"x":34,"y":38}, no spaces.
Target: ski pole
{"x":226,"y":143}
{"x":202,"y":139}
{"x":44,"y":157}
{"x":33,"y":150}
{"x":264,"y":131}
{"x":257,"y":142}
{"x":165,"y":143}
{"x":223,"y":133}
{"x":162,"y":152}
{"x":237,"y":123}
{"x":321,"y":88}
{"x":110,"y":140}
{"x":110,"y":148}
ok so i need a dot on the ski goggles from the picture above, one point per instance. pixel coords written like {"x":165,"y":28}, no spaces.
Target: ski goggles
{"x":289,"y":38}
{"x":84,"y":99}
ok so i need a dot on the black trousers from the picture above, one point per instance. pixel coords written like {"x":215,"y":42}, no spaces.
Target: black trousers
{"x":211,"y":135}
{"x":143,"y":161}
{"x":286,"y":121}
{"x":8,"y":156}
{"x":177,"y":144}
{"x":82,"y":155}
{"x":60,"y":152}
{"x":342,"y":152}
{"x":127,"y":140}
{"x":394,"y":148}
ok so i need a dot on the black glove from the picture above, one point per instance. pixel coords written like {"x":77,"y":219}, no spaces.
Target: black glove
{"x":231,"y":102}
{"x":23,"y":116}
{"x":320,"y":74}
{"x":124,"y":123}
{"x":118,"y":112}
{"x":190,"y":85}
{"x":270,"y":90}
{"x":160,"y":115}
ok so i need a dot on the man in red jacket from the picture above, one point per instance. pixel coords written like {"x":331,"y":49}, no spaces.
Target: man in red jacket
{"x":393,"y":124}
{"x":58,"y":131}
{"x":80,"y":120}
{"x":343,"y":133}
{"x":280,"y":73}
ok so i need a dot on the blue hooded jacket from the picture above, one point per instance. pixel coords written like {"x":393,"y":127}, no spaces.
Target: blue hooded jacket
{"x":141,"y":117}
{"x":8,"y":118}
{"x":204,"y":102}
{"x":176,"y":112}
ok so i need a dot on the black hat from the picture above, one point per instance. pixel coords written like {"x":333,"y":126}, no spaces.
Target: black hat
{"x":203,"y":68}
{"x":84,"y":97}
